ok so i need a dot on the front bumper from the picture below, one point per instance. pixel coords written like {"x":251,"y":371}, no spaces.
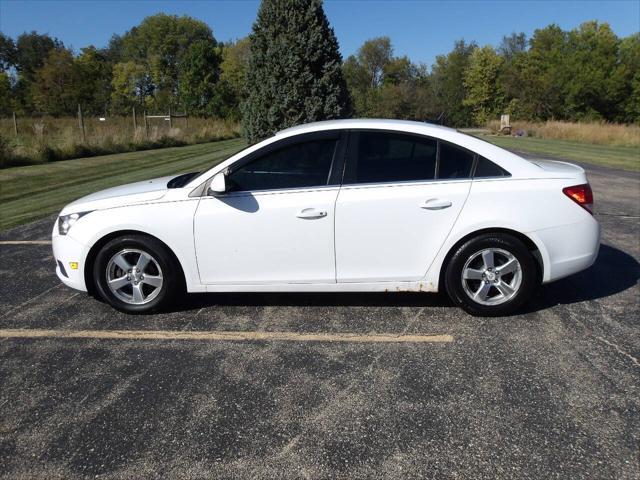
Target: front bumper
{"x":68,"y":252}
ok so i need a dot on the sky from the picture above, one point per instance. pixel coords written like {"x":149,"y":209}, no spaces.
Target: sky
{"x":420,"y":29}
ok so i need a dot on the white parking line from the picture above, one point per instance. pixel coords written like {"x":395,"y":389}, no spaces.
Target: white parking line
{"x":25,"y":242}
{"x":222,"y":336}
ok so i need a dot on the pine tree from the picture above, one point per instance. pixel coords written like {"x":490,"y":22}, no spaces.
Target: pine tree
{"x":294,"y":74}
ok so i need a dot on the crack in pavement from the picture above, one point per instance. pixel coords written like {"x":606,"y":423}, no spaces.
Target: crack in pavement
{"x":633,"y":359}
{"x":618,"y":215}
{"x":9,"y":312}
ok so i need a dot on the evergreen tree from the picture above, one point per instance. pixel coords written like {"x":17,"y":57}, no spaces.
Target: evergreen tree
{"x":294,"y":74}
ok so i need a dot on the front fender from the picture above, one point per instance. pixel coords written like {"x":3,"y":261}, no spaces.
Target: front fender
{"x":169,"y":222}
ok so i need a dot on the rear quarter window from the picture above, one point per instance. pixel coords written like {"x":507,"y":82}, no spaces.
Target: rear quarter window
{"x":487,"y":169}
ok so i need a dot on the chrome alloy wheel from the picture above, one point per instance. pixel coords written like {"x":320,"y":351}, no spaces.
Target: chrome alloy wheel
{"x":134,"y":276}
{"x":491,"y":276}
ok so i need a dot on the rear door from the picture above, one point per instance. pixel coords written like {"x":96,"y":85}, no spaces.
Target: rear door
{"x":400,"y":197}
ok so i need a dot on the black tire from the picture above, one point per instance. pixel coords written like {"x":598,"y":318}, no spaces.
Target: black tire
{"x":172,"y":278}
{"x":498,"y":243}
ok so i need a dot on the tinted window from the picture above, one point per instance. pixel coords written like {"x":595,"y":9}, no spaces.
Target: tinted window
{"x":486,"y":168}
{"x":454,"y":162}
{"x":296,"y":166}
{"x":390,"y":157}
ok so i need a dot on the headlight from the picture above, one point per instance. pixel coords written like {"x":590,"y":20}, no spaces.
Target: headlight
{"x":65,"y":222}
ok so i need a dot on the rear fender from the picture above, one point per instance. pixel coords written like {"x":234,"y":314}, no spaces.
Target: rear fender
{"x":434,"y":274}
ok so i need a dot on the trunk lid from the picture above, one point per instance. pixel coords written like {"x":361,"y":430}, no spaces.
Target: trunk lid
{"x":557,"y":168}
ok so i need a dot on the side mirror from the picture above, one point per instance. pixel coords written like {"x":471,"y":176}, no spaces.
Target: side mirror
{"x":218,"y":184}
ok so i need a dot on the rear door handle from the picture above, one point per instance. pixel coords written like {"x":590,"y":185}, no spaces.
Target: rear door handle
{"x":435,"y":204}
{"x":311,"y":213}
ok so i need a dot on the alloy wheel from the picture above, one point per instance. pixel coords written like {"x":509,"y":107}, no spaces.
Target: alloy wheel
{"x":491,"y":276}
{"x":134,"y":276}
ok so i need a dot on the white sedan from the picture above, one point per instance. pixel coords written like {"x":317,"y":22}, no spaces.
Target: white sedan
{"x":338,"y":206}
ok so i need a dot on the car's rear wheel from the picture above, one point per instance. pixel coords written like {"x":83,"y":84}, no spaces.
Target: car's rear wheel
{"x":136,"y":274}
{"x":491,"y":275}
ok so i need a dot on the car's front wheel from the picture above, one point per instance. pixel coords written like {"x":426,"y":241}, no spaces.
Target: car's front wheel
{"x":136,"y":274}
{"x":491,"y":275}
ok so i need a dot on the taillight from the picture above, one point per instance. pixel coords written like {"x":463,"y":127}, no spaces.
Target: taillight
{"x":582,"y":195}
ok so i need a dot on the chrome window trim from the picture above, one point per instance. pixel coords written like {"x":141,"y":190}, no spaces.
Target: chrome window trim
{"x":405,"y":183}
{"x":275,"y":191}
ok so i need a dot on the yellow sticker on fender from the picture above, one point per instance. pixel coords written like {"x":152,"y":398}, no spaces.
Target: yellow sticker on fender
{"x":73,"y":265}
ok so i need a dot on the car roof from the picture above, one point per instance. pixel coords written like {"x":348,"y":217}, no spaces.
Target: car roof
{"x":365,"y":123}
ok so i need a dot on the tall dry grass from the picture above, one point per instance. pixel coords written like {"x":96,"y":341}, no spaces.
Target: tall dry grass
{"x":47,"y":139}
{"x":598,"y":133}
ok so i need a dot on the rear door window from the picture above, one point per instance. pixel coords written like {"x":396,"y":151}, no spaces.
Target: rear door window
{"x":383,"y":157}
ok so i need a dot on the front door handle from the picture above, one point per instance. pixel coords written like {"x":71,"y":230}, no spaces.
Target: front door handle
{"x":435,"y":204}
{"x":311,"y":213}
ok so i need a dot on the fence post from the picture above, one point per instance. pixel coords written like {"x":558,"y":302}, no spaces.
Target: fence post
{"x":81,"y":123}
{"x":146,"y":126}
{"x":135,"y":122}
{"x":15,"y":125}
{"x":186,"y":120}
{"x":170,"y":123}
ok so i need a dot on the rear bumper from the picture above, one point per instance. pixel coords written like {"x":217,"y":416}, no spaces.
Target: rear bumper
{"x":569,"y":248}
{"x":66,"y":252}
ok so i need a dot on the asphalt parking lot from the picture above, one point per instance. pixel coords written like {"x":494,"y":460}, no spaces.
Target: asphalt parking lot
{"x":553,"y":392}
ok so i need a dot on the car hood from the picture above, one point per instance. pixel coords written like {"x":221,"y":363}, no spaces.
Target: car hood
{"x":130,"y":194}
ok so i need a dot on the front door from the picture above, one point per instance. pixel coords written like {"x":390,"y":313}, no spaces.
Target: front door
{"x":275,"y":225}
{"x":401,"y":196}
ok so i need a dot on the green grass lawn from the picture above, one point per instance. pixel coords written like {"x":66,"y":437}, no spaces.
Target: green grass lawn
{"x":626,"y":158}
{"x":35,"y":191}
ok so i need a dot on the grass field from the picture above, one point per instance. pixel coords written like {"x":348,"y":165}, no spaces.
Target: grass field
{"x":32,"y":192}
{"x":598,"y":133}
{"x":48,"y":139}
{"x":626,"y":158}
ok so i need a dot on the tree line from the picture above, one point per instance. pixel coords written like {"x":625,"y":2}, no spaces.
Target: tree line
{"x":584,"y":74}
{"x":290,"y":70}
{"x":166,"y":61}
